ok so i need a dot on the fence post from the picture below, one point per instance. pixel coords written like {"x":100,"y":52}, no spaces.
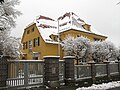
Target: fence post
{"x":69,"y":70}
{"x":51,"y":71}
{"x":107,"y":69}
{"x":3,"y":70}
{"x":26,"y":74}
{"x":93,"y":71}
{"x":118,"y":68}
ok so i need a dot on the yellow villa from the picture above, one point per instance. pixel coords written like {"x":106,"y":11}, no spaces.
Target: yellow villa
{"x":40,"y":38}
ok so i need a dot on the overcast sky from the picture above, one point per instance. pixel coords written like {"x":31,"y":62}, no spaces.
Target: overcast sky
{"x":103,"y":15}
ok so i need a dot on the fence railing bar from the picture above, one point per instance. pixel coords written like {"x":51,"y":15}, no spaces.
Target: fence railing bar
{"x":83,"y":78}
{"x":114,"y":73}
{"x":82,"y":65}
{"x":101,"y":75}
{"x":25,"y":61}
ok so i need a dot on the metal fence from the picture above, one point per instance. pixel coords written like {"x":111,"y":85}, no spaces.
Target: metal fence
{"x":36,"y":73}
{"x":24,"y":73}
{"x":100,"y":73}
{"x":114,"y":69}
{"x":82,"y":71}
{"x":100,"y":70}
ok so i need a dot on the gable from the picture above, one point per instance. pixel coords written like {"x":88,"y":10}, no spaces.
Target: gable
{"x":30,"y":32}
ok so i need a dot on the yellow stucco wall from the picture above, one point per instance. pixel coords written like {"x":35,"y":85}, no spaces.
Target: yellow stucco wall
{"x":45,"y":49}
{"x":31,"y":36}
{"x":76,"y":33}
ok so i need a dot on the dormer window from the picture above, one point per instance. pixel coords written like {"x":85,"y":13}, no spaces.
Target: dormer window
{"x":54,"y":38}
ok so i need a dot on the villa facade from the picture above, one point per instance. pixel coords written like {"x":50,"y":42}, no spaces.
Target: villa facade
{"x":44,"y":36}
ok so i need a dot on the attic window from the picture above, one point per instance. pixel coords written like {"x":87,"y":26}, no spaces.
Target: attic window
{"x":33,"y":29}
{"x":28,"y":31}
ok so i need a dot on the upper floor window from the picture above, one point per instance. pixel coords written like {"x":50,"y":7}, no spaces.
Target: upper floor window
{"x":28,"y":31}
{"x":26,"y":44}
{"x":36,"y":41}
{"x":30,"y":44}
{"x":33,"y":29}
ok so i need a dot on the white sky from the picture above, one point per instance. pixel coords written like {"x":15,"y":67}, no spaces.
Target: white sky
{"x":103,"y":15}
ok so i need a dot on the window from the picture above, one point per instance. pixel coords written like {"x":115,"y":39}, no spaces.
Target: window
{"x":33,"y":29}
{"x":26,"y":45}
{"x":54,"y":38}
{"x":38,"y":41}
{"x":96,"y":39}
{"x":23,"y":45}
{"x":30,"y":44}
{"x":28,"y":31}
{"x":34,"y":42}
{"x":36,"y":55}
{"x":78,"y":35}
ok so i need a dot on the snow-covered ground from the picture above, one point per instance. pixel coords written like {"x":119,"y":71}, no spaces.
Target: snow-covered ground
{"x":103,"y":86}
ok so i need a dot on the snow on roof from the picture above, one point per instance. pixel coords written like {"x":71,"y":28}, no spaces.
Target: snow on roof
{"x":93,"y":30}
{"x":48,"y":26}
{"x":30,"y":24}
{"x":45,"y":33}
{"x":52,"y":42}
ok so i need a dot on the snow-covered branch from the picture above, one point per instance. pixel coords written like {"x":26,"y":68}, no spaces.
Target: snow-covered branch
{"x":118,"y":53}
{"x":103,"y":50}
{"x":8,"y":14}
{"x":79,"y":47}
{"x":84,"y":50}
{"x":8,"y":45}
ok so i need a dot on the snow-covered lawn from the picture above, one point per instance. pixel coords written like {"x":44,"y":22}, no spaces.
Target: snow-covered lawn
{"x":102,"y":86}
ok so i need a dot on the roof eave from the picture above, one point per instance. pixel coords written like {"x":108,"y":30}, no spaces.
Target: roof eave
{"x":84,"y":32}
